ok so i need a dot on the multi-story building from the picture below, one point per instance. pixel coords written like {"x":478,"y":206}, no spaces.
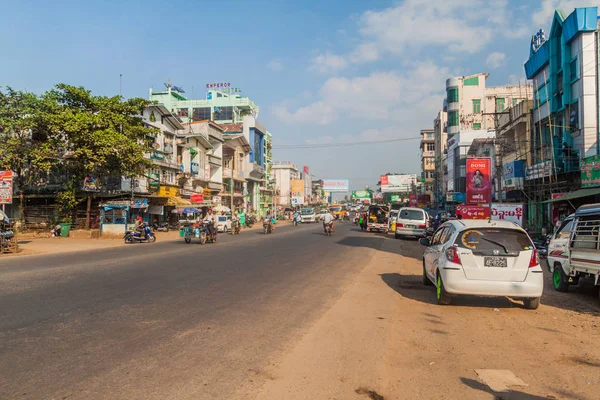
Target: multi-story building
{"x":235,"y":149}
{"x":284,"y":172}
{"x":427,"y":162}
{"x":441,"y":151}
{"x":564,"y":70}
{"x":219,"y":106}
{"x":473,"y":109}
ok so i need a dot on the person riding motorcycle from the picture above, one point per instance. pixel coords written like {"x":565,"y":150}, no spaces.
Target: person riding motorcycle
{"x":328,"y":220}
{"x":269,"y":220}
{"x":139,"y":226}
{"x":296,"y":216}
{"x":211,"y":220}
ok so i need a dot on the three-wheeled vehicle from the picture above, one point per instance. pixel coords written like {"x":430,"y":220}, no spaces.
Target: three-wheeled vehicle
{"x":377,"y":218}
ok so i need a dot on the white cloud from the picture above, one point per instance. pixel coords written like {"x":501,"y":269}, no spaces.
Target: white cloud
{"x":365,"y":52}
{"x":378,"y":96}
{"x":495,"y":60}
{"x":543,"y":16}
{"x":275,"y":65}
{"x":328,"y":62}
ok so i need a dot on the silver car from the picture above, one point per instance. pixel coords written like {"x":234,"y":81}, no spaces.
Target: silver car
{"x":411,"y":221}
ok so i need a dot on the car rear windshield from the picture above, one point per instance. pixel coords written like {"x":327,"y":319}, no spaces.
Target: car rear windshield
{"x":411,"y":215}
{"x":490,"y":239}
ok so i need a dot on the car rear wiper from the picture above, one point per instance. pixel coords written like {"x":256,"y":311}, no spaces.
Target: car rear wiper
{"x":494,"y":242}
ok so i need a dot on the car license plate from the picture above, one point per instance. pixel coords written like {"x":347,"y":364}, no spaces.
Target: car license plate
{"x":411,"y":226}
{"x":497,"y":262}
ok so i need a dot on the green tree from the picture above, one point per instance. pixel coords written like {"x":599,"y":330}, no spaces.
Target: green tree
{"x":26,"y":149}
{"x":96,"y":136}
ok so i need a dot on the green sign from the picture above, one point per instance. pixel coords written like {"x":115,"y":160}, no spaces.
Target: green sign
{"x":361,"y":194}
{"x":590,"y":171}
{"x":395,"y":198}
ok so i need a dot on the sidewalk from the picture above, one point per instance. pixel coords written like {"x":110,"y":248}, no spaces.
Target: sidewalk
{"x":36,"y":246}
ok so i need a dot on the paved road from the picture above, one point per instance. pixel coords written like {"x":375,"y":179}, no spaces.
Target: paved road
{"x":168,"y":320}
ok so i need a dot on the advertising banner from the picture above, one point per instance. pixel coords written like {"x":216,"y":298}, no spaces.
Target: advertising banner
{"x":6,"y":187}
{"x":91,"y":184}
{"x":479,"y":182}
{"x":378,"y":196}
{"x":473,"y":212}
{"x":197,"y":198}
{"x":508,"y":212}
{"x":361,"y":194}
{"x":397,"y":183}
{"x":396,"y":198}
{"x":590,"y":171}
{"x":412,"y":199}
{"x":297,"y":192}
{"x":335,"y":185}
{"x":539,"y":170}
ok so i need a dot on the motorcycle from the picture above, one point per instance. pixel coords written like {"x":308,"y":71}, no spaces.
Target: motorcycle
{"x":162,"y":227}
{"x":235,"y":227}
{"x":541,"y":245}
{"x":250,"y":220}
{"x":327,"y":228}
{"x":135,"y":236}
{"x":206,"y":228}
{"x":297,"y":220}
{"x":267,"y":227}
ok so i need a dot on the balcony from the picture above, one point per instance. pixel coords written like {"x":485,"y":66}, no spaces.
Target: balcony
{"x":214,"y":160}
{"x":227,"y":173}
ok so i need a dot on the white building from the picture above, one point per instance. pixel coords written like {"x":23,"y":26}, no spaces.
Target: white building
{"x":284,"y":172}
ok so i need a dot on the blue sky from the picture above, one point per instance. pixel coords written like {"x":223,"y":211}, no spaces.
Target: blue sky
{"x":321,"y":71}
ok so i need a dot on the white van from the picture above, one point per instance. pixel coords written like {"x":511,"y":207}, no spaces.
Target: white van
{"x":583,"y":249}
{"x":308,"y":215}
{"x":412,"y":221}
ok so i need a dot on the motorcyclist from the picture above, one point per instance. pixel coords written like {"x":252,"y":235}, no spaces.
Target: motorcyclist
{"x":211,"y":220}
{"x":296,"y":216}
{"x":139,"y":226}
{"x":269,"y":220}
{"x":235,"y":220}
{"x":328,"y":220}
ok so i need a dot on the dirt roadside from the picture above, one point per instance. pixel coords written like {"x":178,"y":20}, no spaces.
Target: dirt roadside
{"x":386,"y":337}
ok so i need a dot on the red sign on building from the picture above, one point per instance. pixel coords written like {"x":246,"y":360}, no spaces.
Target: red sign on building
{"x":473,"y":212}
{"x":479,"y":181}
{"x":197,"y":198}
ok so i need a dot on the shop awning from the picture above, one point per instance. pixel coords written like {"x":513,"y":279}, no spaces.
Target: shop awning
{"x":174,"y":201}
{"x":576,"y":195}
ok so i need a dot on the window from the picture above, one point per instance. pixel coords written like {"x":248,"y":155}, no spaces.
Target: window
{"x":565,"y":229}
{"x":499,"y":105}
{"x":477,"y":126}
{"x":476,"y":106}
{"x":573,"y":69}
{"x":114,"y":216}
{"x":453,"y":118}
{"x":411,"y":215}
{"x":490,"y":240}
{"x":430,"y":147}
{"x":448,"y":232}
{"x":223,"y":113}
{"x":574,"y":117}
{"x":515,"y":101}
{"x":437,"y":236}
{"x":471,"y":81}
{"x":183,"y":112}
{"x":541,"y":95}
{"x":201,"y":114}
{"x":453,"y":95}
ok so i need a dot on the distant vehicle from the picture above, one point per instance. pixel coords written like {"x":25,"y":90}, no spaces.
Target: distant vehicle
{"x":582,"y":250}
{"x":336,"y":209}
{"x":377,"y":219}
{"x":223,"y":223}
{"x":411,"y":221}
{"x":308,"y":215}
{"x":483,"y":258}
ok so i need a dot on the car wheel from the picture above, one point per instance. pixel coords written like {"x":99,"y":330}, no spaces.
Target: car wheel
{"x":443,"y":297}
{"x":531,"y":304}
{"x":560,"y":280}
{"x":426,"y":280}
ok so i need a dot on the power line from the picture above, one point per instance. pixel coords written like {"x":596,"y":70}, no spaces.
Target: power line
{"x":341,"y":144}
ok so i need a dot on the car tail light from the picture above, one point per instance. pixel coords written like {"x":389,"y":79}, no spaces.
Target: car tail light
{"x":399,"y":225}
{"x":422,"y":226}
{"x":452,"y":255}
{"x":535,"y":259}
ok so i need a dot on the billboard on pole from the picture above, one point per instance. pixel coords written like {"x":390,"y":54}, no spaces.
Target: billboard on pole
{"x":479,"y":182}
{"x":6,"y":187}
{"x":336,"y":185}
{"x":297,"y":192}
{"x":397,"y":183}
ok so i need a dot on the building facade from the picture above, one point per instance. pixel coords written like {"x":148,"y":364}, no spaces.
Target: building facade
{"x":284,"y":172}
{"x":427,"y":162}
{"x":441,"y":152}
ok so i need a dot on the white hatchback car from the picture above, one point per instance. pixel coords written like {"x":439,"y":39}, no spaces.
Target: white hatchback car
{"x":483,"y":258}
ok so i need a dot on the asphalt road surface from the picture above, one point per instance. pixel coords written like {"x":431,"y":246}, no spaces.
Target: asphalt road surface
{"x":167,"y":320}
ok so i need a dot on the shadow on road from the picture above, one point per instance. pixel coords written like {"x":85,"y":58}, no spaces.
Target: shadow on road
{"x":412,"y":287}
{"x":362,"y":241}
{"x":512,"y":395}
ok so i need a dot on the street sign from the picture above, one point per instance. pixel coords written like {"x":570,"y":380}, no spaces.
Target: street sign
{"x":6,"y":187}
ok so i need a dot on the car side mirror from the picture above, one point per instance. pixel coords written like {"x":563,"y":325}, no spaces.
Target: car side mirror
{"x":424,"y":242}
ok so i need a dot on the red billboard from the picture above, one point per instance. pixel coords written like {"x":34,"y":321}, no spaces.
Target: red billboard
{"x":197,"y":198}
{"x":479,"y":181}
{"x":473,"y":212}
